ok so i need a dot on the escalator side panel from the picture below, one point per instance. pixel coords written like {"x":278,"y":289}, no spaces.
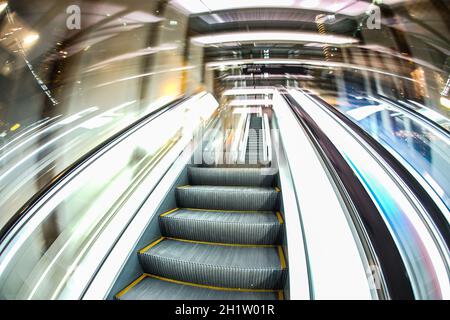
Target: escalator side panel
{"x":392,"y":264}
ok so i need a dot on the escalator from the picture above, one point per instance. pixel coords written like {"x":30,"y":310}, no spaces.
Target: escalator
{"x":222,"y":230}
{"x":222,"y":241}
{"x":254,"y":145}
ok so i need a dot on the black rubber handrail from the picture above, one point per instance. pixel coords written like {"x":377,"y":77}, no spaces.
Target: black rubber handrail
{"x":25,"y":209}
{"x":415,"y":187}
{"x":391,"y":263}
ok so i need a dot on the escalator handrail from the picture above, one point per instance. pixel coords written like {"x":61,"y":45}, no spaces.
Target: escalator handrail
{"x":89,"y":156}
{"x":415,"y":187}
{"x":391,"y":263}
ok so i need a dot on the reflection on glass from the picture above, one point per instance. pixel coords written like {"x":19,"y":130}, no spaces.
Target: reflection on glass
{"x":426,"y":149}
{"x":41,"y":259}
{"x":66,"y":90}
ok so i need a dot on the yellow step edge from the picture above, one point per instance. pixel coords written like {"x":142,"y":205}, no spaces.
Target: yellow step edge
{"x":282,"y":259}
{"x":216,"y":210}
{"x":280,"y":293}
{"x":204,"y":286}
{"x":169,"y":212}
{"x":205,"y":185}
{"x":222,"y":244}
{"x":279,"y":217}
{"x":154,"y":243}
{"x":184,"y":187}
{"x":130,"y":286}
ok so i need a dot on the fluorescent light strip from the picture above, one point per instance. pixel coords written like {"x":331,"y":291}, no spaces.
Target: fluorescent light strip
{"x":346,"y":7}
{"x":317,"y":63}
{"x":248,"y":91}
{"x":273,"y":36}
{"x":200,"y":6}
{"x":250,"y":102}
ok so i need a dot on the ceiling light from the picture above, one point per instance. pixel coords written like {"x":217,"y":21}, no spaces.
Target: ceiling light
{"x":445,"y":102}
{"x":3,"y":6}
{"x":310,"y":4}
{"x":344,"y":7}
{"x":191,"y":6}
{"x":30,"y":39}
{"x":217,"y":18}
{"x":271,"y":37}
{"x":15,"y":127}
{"x":201,"y":6}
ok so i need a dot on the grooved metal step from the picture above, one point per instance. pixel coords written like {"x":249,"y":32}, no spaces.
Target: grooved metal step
{"x":259,"y":227}
{"x":149,"y":287}
{"x":255,"y":122}
{"x":231,"y":176}
{"x":221,"y":244}
{"x":254,"y":145}
{"x":227,"y":198}
{"x":232,"y":266}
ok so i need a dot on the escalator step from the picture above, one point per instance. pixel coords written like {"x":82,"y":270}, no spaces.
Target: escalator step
{"x":149,"y":287}
{"x":256,"y":123}
{"x":231,"y":176}
{"x":227,"y":198}
{"x":259,"y":227}
{"x":221,"y":265}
